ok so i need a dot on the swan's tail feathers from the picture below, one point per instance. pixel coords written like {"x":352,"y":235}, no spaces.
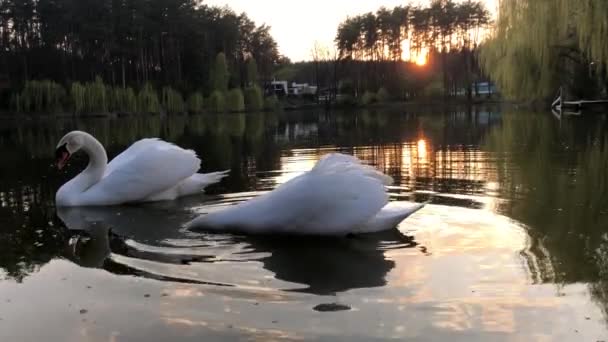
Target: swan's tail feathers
{"x":207,"y":179}
{"x":390,"y":216}
{"x":347,"y":164}
{"x":199,"y":181}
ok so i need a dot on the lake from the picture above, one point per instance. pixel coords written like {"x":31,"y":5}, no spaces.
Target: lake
{"x":512,"y":247}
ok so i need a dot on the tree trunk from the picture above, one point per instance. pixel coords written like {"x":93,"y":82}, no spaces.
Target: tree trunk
{"x":122,"y":67}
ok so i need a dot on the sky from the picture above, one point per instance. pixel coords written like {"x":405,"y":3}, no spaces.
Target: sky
{"x":297,"y":25}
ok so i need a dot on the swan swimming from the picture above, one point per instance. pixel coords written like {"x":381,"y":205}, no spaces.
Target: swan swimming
{"x":339,"y":196}
{"x":149,"y":170}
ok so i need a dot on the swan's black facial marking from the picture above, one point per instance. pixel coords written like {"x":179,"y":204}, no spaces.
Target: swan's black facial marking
{"x":62,"y":155}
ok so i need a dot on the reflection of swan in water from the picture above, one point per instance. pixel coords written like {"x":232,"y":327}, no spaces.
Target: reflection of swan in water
{"x":96,"y":231}
{"x":330,"y":265}
{"x":319,"y":265}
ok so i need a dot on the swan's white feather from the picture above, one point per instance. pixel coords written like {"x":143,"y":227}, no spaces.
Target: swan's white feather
{"x":337,"y":197}
{"x":132,"y":151}
{"x":147,"y":169}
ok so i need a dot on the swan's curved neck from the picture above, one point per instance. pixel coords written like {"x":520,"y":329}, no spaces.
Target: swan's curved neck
{"x":98,"y":160}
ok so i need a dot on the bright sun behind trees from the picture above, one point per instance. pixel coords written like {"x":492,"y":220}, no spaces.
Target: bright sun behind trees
{"x":444,"y":31}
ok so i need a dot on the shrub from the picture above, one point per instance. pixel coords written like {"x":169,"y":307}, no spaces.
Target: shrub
{"x":195,"y":103}
{"x":95,"y":98}
{"x":368,"y":98}
{"x":235,"y":101}
{"x":122,"y":100}
{"x":347,"y":101}
{"x":271,"y":102}
{"x":128,"y":100}
{"x":40,"y":96}
{"x":172,"y":100}
{"x":219,"y":73}
{"x":147,"y":100}
{"x":77,"y":93}
{"x":253,"y":98}
{"x":382,"y":95}
{"x":347,"y":87}
{"x":217,"y":102}
{"x":434,"y":89}
{"x":15,"y":102}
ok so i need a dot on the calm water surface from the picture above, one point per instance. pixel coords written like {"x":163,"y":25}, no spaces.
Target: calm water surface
{"x":512,"y":247}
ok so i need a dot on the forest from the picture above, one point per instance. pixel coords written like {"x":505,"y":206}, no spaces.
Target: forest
{"x":444,"y":36}
{"x":112,"y":52}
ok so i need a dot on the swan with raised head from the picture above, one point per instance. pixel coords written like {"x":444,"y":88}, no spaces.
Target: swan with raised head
{"x":149,"y":170}
{"x":339,"y":196}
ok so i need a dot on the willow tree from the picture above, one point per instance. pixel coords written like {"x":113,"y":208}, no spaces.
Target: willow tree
{"x":252,"y":72}
{"x":539,"y":45}
{"x":219,"y":74}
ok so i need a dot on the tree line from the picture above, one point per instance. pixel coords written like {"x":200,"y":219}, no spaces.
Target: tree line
{"x":448,"y":32}
{"x":539,"y":45}
{"x":129,"y":43}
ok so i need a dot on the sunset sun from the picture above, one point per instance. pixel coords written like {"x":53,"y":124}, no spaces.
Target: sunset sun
{"x":420,"y":59}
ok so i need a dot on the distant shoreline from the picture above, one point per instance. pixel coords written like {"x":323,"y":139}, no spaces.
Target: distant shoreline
{"x":432,"y":103}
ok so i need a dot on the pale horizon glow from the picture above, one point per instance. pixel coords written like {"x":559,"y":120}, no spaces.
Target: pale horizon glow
{"x":297,"y":25}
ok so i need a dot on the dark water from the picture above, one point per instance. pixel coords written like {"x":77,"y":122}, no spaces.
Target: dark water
{"x":513,"y":246}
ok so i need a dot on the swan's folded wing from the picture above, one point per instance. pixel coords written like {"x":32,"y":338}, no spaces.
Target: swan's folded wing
{"x":133,"y":150}
{"x":150,"y":168}
{"x":337,"y":163}
{"x":331,"y":200}
{"x":336,"y":203}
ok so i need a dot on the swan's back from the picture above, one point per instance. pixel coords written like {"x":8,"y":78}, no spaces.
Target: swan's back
{"x":147,"y":167}
{"x":336,"y":196}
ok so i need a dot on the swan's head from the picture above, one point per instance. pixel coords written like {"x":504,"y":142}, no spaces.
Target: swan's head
{"x":68,"y":145}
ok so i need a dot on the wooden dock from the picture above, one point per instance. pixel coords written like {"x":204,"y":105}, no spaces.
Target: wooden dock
{"x":559,"y":104}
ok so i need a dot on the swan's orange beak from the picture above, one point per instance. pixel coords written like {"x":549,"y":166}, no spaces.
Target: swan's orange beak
{"x":62,"y":156}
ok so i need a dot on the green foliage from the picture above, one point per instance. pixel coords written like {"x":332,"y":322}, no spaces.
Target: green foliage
{"x":123,"y":100}
{"x":95,"y":96}
{"x":219,"y":74}
{"x":147,"y":100}
{"x":172,"y":100}
{"x":40,"y":96}
{"x":15,"y":103}
{"x":347,"y":101}
{"x":252,"y":72}
{"x":368,"y":98}
{"x":538,"y":45}
{"x":271,"y":102}
{"x":347,"y":88}
{"x":92,"y":97}
{"x":123,"y":39}
{"x":77,"y":94}
{"x":440,"y":28}
{"x":433,"y":90}
{"x":217,"y":102}
{"x":254,"y":100}
{"x":235,"y":101}
{"x":195,"y":103}
{"x":383,"y":95}
{"x":287,"y":72}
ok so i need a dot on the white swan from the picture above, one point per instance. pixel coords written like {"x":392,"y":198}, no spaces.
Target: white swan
{"x":339,"y":196}
{"x":149,"y":170}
